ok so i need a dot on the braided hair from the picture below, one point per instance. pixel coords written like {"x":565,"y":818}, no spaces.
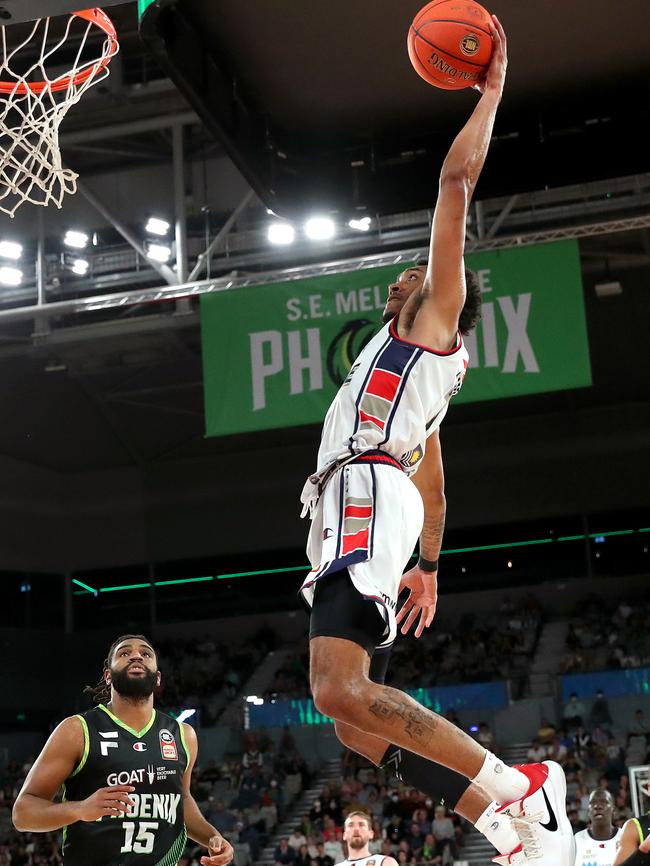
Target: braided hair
{"x":101,"y":693}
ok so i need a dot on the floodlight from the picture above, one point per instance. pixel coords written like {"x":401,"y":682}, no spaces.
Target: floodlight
{"x":10,"y":276}
{"x":80,"y":266}
{"x":281,"y":234}
{"x":157,"y":226}
{"x":159,"y":253}
{"x":361,"y":225}
{"x":320,"y":228}
{"x":10,"y":250}
{"x":75,"y":239}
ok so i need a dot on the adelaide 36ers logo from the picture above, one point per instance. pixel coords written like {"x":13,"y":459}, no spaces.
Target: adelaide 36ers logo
{"x":168,"y":745}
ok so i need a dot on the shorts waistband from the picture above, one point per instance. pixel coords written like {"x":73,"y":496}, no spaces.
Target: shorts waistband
{"x":378,"y":456}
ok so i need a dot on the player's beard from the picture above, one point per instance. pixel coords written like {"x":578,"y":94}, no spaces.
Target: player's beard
{"x":357,"y":843}
{"x":128,"y":686}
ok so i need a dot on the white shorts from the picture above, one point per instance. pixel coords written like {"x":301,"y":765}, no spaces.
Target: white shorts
{"x":368,"y":520}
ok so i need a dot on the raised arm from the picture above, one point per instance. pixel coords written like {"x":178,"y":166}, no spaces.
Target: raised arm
{"x":443,"y":292}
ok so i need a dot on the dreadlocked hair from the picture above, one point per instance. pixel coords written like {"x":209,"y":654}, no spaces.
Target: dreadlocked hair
{"x":101,"y":693}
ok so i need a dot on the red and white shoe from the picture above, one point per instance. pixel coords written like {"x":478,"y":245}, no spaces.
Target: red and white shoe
{"x":540,"y":820}
{"x":537,"y":775}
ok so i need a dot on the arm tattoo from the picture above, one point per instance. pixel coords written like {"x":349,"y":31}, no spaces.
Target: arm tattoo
{"x":431,"y":537}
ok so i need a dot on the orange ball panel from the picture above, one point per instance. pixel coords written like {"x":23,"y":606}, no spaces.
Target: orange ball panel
{"x":450,"y":44}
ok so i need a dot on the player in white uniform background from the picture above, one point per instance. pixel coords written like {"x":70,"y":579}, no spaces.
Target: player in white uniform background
{"x":599,"y":844}
{"x":367,"y":516}
{"x":357,"y":834}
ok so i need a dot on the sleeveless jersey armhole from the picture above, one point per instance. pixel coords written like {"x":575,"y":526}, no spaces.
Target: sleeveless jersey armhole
{"x":639,"y":829}
{"x":84,"y":756}
{"x":181,"y":729}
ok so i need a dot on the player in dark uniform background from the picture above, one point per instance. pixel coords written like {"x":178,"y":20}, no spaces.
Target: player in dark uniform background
{"x":635,"y":843}
{"x":125,"y":769}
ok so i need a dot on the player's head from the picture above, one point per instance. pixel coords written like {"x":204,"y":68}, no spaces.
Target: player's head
{"x":130,"y":668}
{"x":357,"y":830}
{"x":412,"y":279}
{"x":601,"y":806}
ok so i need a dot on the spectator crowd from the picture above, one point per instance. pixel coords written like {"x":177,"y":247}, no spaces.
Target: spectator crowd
{"x":474,"y":648}
{"x":600,"y":640}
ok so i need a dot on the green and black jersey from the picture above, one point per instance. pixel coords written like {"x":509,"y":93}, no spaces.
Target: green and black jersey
{"x":643,"y":829}
{"x":153,"y":760}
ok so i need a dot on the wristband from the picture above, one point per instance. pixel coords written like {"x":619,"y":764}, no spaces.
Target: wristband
{"x":429,"y":565}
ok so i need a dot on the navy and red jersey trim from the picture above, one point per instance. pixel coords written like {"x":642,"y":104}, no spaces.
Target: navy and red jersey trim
{"x":393,"y":332}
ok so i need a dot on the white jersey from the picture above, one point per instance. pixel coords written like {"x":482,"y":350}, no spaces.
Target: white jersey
{"x":372,"y":860}
{"x":595,"y":852}
{"x":396,"y":394}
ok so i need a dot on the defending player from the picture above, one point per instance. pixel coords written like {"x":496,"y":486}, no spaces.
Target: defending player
{"x":367,"y":515}
{"x":357,"y":833}
{"x":598,"y":845}
{"x":635,"y":843}
{"x":125,"y":769}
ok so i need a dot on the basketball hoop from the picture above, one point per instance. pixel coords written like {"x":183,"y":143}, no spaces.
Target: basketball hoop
{"x":33,"y":104}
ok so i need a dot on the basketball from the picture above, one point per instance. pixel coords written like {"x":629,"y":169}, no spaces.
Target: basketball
{"x":450,"y":43}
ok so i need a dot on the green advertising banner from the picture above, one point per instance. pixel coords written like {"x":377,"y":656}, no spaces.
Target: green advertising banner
{"x":274,"y":355}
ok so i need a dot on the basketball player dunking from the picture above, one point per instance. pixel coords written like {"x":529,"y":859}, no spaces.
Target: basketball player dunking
{"x":367,"y":515}
{"x":357,"y":833}
{"x":125,"y":769}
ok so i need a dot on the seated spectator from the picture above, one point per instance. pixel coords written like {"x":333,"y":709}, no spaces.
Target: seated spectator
{"x":303,"y":858}
{"x":546,"y":732}
{"x":297,"y":839}
{"x":574,"y":712}
{"x":415,"y":840}
{"x":581,"y":743}
{"x":599,"y":713}
{"x":486,"y":738}
{"x":556,"y":751}
{"x":639,"y":726}
{"x":444,"y":833}
{"x":322,"y":858}
{"x":333,"y":847}
{"x":284,"y":854}
{"x":536,"y":753}
{"x":429,"y":855}
{"x":221,"y":818}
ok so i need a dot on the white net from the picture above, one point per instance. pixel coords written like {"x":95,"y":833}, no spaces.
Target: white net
{"x":35,"y":97}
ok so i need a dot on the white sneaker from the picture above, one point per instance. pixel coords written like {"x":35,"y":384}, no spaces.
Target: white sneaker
{"x":543,"y":826}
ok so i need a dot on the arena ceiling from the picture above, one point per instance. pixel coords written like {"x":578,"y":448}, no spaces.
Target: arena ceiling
{"x":319,"y":106}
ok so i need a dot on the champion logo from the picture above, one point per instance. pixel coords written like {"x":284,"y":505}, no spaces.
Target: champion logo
{"x":139,"y":746}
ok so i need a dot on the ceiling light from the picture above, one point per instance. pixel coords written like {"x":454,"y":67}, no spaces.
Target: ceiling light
{"x":10,"y":276}
{"x":75,"y":239}
{"x":281,"y":233}
{"x":80,"y":267}
{"x":157,"y":226}
{"x":159,"y":253}
{"x":320,"y":228}
{"x":361,"y":225}
{"x":10,"y":250}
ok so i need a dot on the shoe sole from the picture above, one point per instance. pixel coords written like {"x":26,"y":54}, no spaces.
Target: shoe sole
{"x":558,"y":780}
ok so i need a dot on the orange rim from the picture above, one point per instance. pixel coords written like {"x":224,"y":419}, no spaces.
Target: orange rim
{"x":101,"y":20}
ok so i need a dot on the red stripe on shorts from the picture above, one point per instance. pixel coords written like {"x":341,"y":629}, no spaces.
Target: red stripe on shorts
{"x":355,"y":541}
